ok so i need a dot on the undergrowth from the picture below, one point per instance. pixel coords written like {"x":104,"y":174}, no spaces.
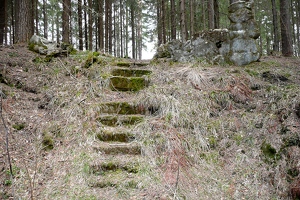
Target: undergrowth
{"x":210,"y":132}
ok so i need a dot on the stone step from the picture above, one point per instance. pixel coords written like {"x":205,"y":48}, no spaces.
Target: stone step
{"x":120,"y":120}
{"x":112,"y":134}
{"x":122,"y":108}
{"x":132,"y":148}
{"x":116,"y":163}
{"x":126,"y":72}
{"x":132,"y":64}
{"x":115,"y":180}
{"x":120,"y":83}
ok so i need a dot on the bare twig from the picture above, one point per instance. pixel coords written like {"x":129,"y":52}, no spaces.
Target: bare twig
{"x":6,"y":136}
{"x":6,"y":140}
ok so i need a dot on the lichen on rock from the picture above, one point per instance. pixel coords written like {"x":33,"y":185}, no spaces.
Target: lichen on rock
{"x":236,"y":45}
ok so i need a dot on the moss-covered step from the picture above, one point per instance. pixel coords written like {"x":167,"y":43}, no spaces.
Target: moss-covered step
{"x":120,"y":83}
{"x":129,"y":64}
{"x":119,"y":148}
{"x":116,"y":179}
{"x":130,"y":72}
{"x":130,"y":166}
{"x":119,"y":120}
{"x":111,"y":134}
{"x":122,"y":108}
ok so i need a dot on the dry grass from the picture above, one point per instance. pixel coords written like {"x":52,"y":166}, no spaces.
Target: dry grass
{"x":201,"y":138}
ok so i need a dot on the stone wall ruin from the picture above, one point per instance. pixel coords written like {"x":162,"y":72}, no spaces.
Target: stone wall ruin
{"x":235,"y":45}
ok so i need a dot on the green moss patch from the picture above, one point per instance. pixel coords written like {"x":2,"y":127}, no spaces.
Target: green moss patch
{"x":124,"y":64}
{"x":48,"y":142}
{"x":130,"y":72}
{"x":19,"y":126}
{"x":270,"y":154}
{"x":127,"y":83}
{"x":131,"y":167}
{"x":112,"y":120}
{"x":119,"y":136}
{"x":123,"y":108}
{"x":119,"y":148}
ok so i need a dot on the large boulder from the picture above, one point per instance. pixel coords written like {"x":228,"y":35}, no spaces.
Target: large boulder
{"x":46,"y":47}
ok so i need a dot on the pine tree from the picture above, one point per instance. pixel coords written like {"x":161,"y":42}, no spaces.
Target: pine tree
{"x":24,"y":20}
{"x":286,"y":37}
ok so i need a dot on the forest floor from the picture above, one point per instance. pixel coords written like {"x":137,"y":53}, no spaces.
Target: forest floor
{"x":210,"y":131}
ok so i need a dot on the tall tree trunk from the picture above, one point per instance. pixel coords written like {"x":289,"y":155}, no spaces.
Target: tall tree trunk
{"x":126,"y":32}
{"x":275,"y":27}
{"x":211,"y":14}
{"x":36,"y":16}
{"x":90,"y":24}
{"x":100,"y":25}
{"x":132,"y":21}
{"x":298,"y":26}
{"x":159,"y":23}
{"x":216,"y":14}
{"x":182,"y":20}
{"x":86,"y":39}
{"x":173,"y":20}
{"x":121,"y":27}
{"x":285,"y":23}
{"x":2,"y":20}
{"x":57,"y":24}
{"x":80,"y":33}
{"x":139,"y":31}
{"x":66,"y":21}
{"x":13,"y":24}
{"x":24,"y":22}
{"x":45,"y":19}
{"x":110,"y":31}
{"x":203,"y":15}
{"x":106,"y":24}
{"x":163,"y":21}
{"x":192,"y":17}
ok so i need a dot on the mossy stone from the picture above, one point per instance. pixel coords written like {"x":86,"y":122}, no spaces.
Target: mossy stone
{"x":122,"y":108}
{"x":121,"y":136}
{"x":119,"y":83}
{"x":130,"y":72}
{"x":48,"y":142}
{"x":19,"y":126}
{"x":124,"y":64}
{"x":269,"y":152}
{"x":112,"y":120}
{"x":120,"y":148}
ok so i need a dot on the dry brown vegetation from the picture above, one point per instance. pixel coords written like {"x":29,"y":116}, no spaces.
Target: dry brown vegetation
{"x":210,"y":131}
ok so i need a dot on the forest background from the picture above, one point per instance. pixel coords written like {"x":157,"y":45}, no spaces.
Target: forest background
{"x":131,"y":28}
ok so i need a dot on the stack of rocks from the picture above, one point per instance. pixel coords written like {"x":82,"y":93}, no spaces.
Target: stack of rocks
{"x":243,"y":32}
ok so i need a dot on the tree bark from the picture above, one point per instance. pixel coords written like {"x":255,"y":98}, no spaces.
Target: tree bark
{"x":86,"y":39}
{"x":275,"y":27}
{"x":192,"y":18}
{"x":2,"y":20}
{"x":173,"y":20}
{"x":66,"y":21}
{"x":211,"y":14}
{"x":45,"y":19}
{"x":159,"y":23}
{"x":163,"y":21}
{"x":286,"y":36}
{"x":80,"y":33}
{"x":23,"y":19}
{"x":90,"y":24}
{"x":100,"y":25}
{"x":182,"y":20}
{"x":132,"y":11}
{"x":216,"y":14}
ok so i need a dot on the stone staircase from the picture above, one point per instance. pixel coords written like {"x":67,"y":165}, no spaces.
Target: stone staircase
{"x":119,"y":152}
